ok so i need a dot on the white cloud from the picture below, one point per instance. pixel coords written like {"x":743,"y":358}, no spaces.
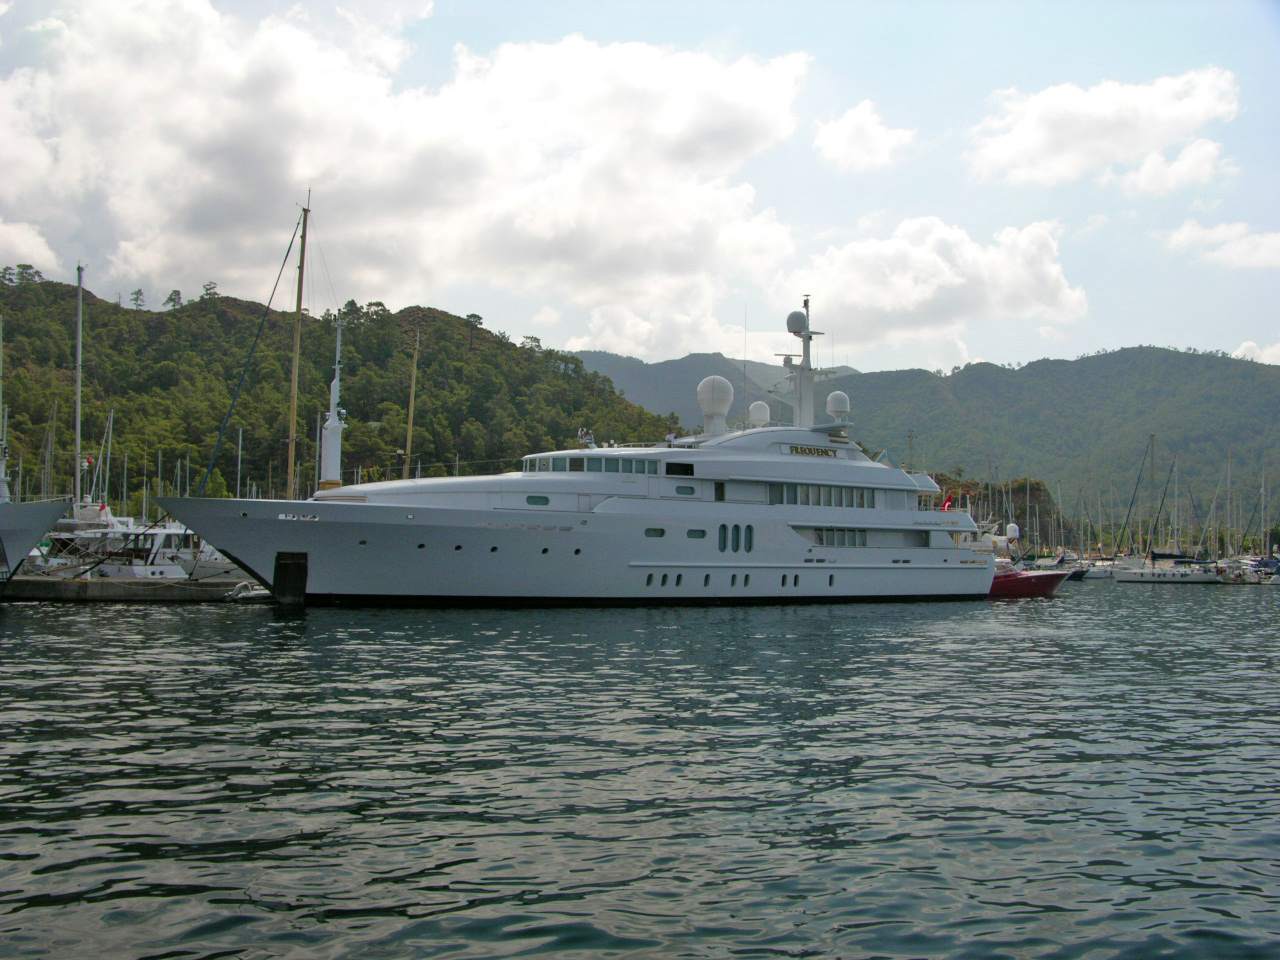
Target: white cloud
{"x":1064,"y":133}
{"x":859,"y":140}
{"x":929,"y":276}
{"x":1197,"y":163}
{"x":22,"y":243}
{"x":1249,"y":350}
{"x":1229,"y":244}
{"x":179,"y":136}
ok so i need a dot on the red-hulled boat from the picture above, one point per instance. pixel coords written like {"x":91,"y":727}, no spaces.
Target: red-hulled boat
{"x":1009,"y":582}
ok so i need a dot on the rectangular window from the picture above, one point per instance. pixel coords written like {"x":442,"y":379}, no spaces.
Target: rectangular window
{"x":593,"y":465}
{"x":696,"y":534}
{"x":611,"y":466}
{"x":679,"y":469}
{"x":559,"y":464}
{"x":652,"y":467}
{"x":575,"y":464}
{"x":655,"y":532}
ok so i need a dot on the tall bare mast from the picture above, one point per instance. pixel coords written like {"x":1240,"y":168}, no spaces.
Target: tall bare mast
{"x":4,"y":427}
{"x":79,"y":359}
{"x":291,"y":490}
{"x":413,"y":383}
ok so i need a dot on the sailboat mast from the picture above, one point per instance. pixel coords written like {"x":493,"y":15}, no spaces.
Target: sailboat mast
{"x":413,"y":385}
{"x":4,"y":431}
{"x":79,"y":364}
{"x":290,"y":488}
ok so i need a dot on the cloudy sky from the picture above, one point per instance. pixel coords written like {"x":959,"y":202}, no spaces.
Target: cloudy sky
{"x":949,"y":181}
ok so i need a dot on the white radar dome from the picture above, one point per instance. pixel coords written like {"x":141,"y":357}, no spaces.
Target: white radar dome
{"x":758,"y":414}
{"x":1012,"y":531}
{"x":715,"y":396}
{"x":838,"y":405}
{"x":797,"y":322}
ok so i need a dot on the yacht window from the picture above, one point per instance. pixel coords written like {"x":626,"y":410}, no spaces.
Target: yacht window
{"x":625,"y":466}
{"x":685,"y":491}
{"x":655,"y":532}
{"x":696,"y":534}
{"x":679,"y":469}
{"x":719,"y":490}
{"x":537,"y":501}
{"x":559,"y":464}
{"x":611,"y":466}
{"x":593,"y":465}
{"x":575,"y":464}
{"x":652,"y":467}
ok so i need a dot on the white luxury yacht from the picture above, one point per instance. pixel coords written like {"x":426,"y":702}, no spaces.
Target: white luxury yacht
{"x":763,"y":514}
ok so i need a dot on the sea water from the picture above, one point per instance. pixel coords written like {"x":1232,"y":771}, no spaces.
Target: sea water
{"x":1095,"y":775}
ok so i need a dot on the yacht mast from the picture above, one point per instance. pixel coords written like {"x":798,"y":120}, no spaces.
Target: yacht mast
{"x":801,"y":374}
{"x":291,"y":490}
{"x":334,"y":423}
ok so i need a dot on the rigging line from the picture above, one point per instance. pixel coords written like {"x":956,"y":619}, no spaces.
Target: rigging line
{"x":324,"y":264}
{"x":248,"y":360}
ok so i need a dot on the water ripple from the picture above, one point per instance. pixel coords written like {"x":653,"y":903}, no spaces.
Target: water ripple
{"x":1092,"y":776}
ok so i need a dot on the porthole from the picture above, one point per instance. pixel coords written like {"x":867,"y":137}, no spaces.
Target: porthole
{"x":648,"y":581}
{"x":458,"y":547}
{"x":679,"y":579}
{"x":537,"y":500}
{"x":746,"y":580}
{"x":363,"y":542}
{"x":831,"y":580}
{"x":655,"y":532}
{"x":577,"y":551}
{"x":493,"y":549}
{"x":664,"y":580}
{"x":685,"y":491}
{"x":706,"y":579}
{"x":421,"y":546}
{"x":696,"y":534}
{"x":544,"y":549}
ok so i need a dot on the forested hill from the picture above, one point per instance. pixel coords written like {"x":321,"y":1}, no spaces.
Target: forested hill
{"x":1079,"y":425}
{"x":481,"y":401}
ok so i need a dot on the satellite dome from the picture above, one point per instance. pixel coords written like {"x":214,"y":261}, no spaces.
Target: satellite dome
{"x":715,"y":396}
{"x":797,"y":322}
{"x":838,"y":405}
{"x":758,"y":414}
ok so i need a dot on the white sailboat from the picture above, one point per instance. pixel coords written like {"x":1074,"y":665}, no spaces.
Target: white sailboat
{"x":21,"y":524}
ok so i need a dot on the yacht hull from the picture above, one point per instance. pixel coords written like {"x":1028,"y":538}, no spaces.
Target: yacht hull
{"x":366,"y":554}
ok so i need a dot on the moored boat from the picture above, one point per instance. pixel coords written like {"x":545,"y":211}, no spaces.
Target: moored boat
{"x":763,"y":514}
{"x":1012,"y":582}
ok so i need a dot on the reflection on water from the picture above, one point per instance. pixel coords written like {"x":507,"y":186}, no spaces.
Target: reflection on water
{"x":1092,"y":776}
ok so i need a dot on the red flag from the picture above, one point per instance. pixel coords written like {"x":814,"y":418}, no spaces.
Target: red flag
{"x":946,"y":504}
